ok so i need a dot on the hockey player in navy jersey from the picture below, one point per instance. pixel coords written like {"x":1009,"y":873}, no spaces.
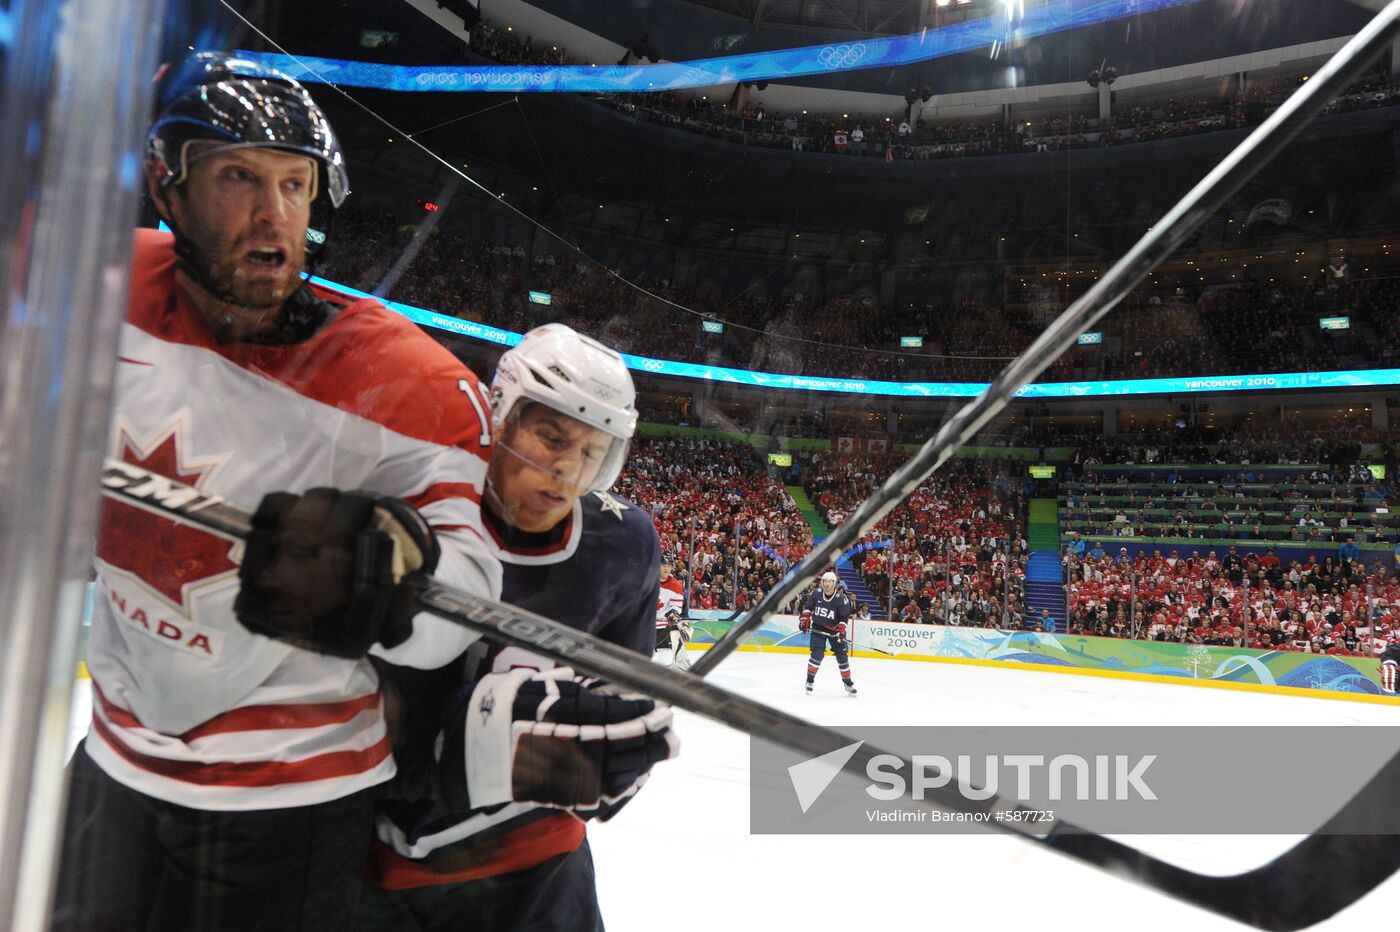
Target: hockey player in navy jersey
{"x":1390,"y":667}
{"x":476,"y":846}
{"x":826,"y":613}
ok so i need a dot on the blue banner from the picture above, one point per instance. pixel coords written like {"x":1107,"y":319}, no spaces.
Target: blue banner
{"x":1274,"y":381}
{"x":846,"y":558}
{"x":852,"y":55}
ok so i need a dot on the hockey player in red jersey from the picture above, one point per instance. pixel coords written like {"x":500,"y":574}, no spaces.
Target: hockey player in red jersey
{"x":238,"y":733}
{"x":461,"y":847}
{"x":673,"y":631}
{"x":1390,"y":667}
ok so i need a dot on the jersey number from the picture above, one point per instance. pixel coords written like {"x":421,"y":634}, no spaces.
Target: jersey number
{"x":482,"y":413}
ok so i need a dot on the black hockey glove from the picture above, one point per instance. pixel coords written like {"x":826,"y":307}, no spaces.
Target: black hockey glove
{"x":324,"y":570}
{"x":553,"y":739}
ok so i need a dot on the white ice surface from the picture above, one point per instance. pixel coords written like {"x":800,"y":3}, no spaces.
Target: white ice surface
{"x":691,"y":822}
{"x":680,"y":856}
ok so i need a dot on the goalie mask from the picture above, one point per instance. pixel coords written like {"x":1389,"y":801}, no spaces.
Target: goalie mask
{"x":577,"y":376}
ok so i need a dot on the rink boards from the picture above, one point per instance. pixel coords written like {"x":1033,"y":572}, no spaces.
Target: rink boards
{"x":1197,"y":665}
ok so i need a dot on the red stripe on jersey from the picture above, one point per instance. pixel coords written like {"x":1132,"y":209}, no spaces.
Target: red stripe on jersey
{"x":516,"y":850}
{"x":250,"y":773}
{"x":256,"y":717}
{"x":444,"y":491}
{"x":367,"y":360}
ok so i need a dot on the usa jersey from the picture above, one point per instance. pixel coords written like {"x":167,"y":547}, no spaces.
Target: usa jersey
{"x":188,"y":705}
{"x":597,"y":573}
{"x":827,"y":613}
{"x":669,"y":597}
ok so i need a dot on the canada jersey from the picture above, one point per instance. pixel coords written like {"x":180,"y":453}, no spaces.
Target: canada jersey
{"x":188,"y":705}
{"x":828,"y":613}
{"x":670,"y":597}
{"x":600,"y":576}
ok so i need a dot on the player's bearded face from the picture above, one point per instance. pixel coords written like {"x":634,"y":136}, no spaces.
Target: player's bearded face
{"x":542,"y":463}
{"x":246,"y":212}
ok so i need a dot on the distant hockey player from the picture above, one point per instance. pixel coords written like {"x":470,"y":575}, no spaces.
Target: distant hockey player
{"x":481,"y":846}
{"x":672,"y":631}
{"x":1390,"y":666}
{"x":826,"y":614}
{"x":238,"y":732}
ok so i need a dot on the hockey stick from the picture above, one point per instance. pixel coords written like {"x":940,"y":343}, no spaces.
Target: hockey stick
{"x":1208,"y":196}
{"x":1305,"y":885}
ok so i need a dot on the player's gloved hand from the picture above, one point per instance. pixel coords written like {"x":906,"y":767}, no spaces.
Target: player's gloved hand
{"x":841,"y":630}
{"x":324,"y":570}
{"x":686,"y":629}
{"x":553,"y":739}
{"x":804,"y":622}
{"x":673,"y":616}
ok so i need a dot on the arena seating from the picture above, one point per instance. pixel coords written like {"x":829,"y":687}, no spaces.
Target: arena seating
{"x":1286,"y":556}
{"x":1155,"y":332}
{"x":953,"y":538}
{"x":713,"y":487}
{"x":1261,"y":504}
{"x":1205,"y":595}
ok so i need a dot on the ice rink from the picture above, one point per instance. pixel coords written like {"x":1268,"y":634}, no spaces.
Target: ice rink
{"x":680,"y":856}
{"x":687,"y":831}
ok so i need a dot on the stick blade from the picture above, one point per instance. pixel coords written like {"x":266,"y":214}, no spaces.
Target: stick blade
{"x":1312,"y":881}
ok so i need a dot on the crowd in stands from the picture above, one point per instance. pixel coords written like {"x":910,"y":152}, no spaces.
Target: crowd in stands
{"x":1229,"y":597}
{"x":699,"y":493}
{"x":1339,"y":445}
{"x":958,"y":544}
{"x":959,"y":549}
{"x":1325,"y":504}
{"x":1248,"y":327}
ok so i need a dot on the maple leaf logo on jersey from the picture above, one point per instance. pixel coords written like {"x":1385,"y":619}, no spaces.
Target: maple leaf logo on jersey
{"x":167,"y":557}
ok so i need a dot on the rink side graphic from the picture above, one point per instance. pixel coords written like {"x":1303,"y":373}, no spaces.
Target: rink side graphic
{"x":1282,"y":672}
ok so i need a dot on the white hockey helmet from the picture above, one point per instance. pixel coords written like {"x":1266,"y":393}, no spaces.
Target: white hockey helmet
{"x":577,"y":376}
{"x":831,"y":576}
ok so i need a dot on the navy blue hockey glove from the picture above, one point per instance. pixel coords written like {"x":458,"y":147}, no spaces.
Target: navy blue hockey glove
{"x":552,"y":739}
{"x":325,"y":570}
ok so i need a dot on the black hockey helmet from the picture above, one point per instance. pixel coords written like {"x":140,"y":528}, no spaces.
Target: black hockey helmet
{"x":219,"y":98}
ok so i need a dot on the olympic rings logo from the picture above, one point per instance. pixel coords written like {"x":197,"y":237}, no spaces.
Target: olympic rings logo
{"x":841,"y":56}
{"x":653,"y":365}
